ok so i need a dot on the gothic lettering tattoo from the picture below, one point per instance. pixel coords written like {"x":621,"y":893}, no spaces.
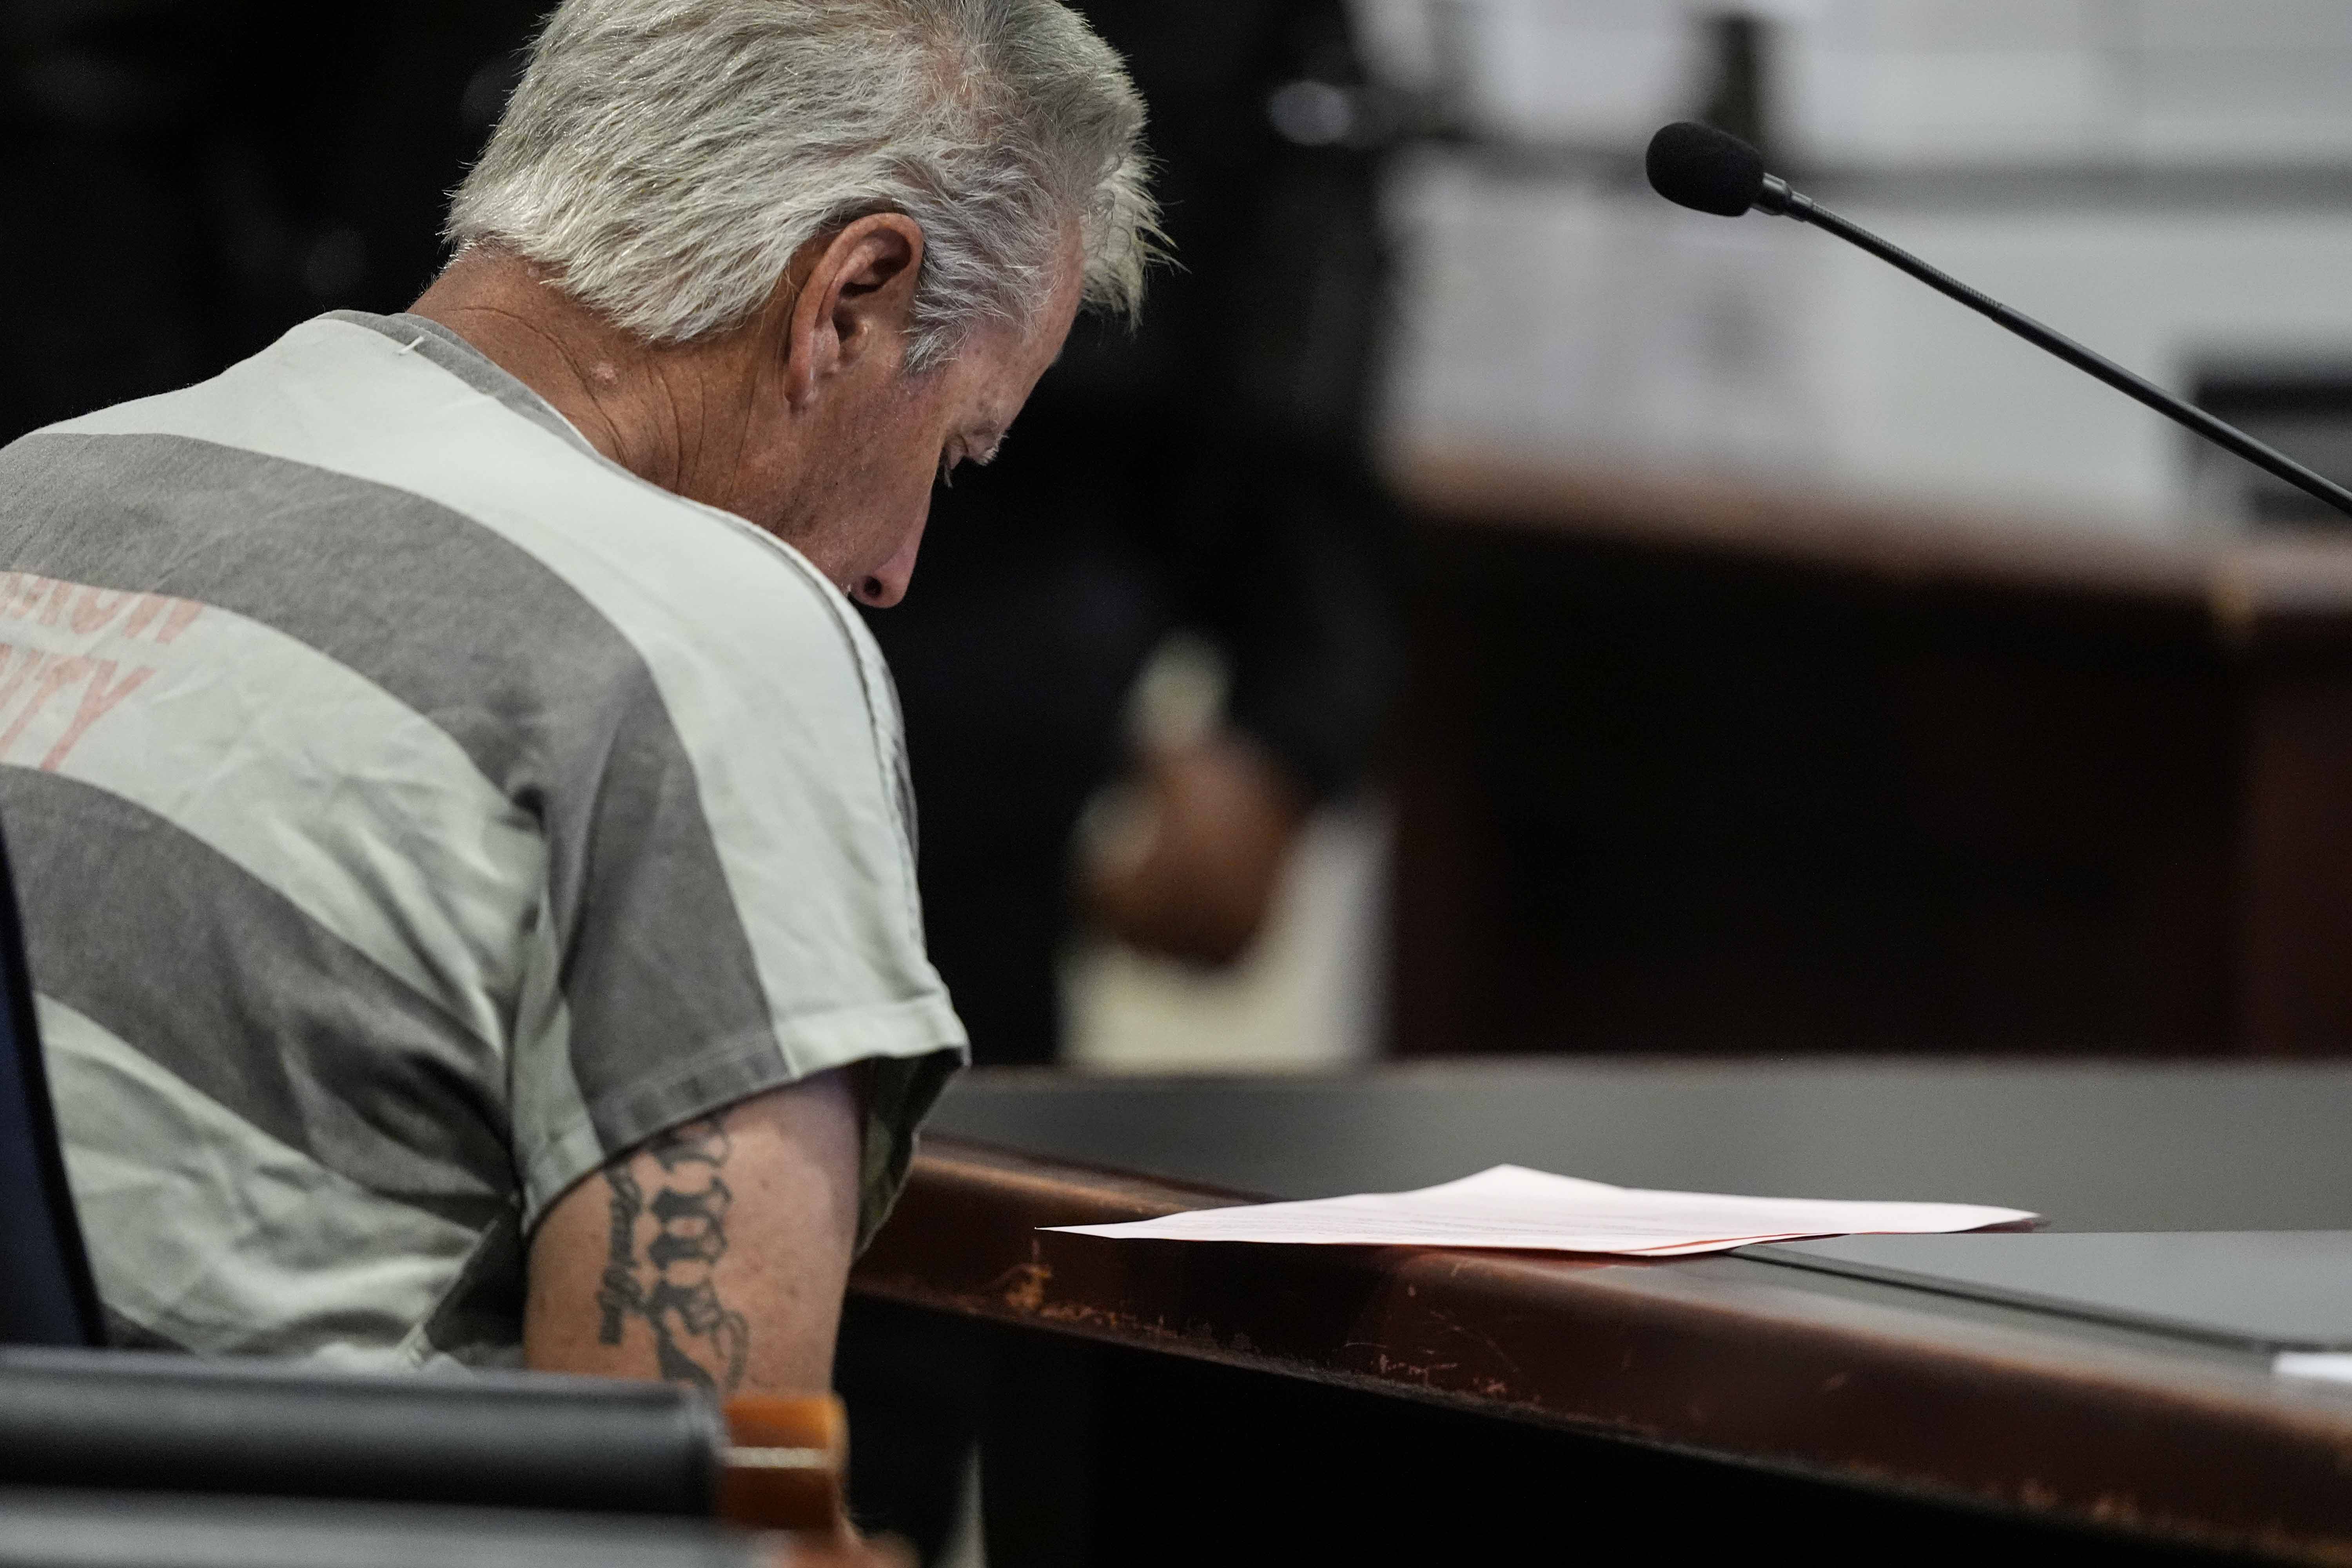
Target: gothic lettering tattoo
{"x":670,"y":1282}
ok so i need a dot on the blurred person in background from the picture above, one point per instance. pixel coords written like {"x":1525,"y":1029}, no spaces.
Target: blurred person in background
{"x":1207,"y":473}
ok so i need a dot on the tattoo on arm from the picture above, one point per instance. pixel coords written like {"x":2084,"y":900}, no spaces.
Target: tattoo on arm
{"x":671,"y":1281}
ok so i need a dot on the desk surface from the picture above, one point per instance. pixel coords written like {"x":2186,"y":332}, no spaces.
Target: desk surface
{"x":1873,"y":1384}
{"x":2091,"y":1146}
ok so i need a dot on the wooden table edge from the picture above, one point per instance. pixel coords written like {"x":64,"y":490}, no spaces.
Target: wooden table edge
{"x":1724,"y":1358}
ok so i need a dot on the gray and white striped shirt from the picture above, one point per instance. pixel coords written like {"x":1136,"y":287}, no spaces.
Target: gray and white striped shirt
{"x":413,"y":810}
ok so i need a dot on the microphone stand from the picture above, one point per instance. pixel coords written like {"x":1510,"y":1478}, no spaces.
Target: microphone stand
{"x":1778,"y":199}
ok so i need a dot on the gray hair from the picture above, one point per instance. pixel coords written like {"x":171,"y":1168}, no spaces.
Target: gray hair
{"x":667,"y":158}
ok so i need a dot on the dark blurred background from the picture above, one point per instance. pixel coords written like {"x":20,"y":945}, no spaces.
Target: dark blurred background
{"x":186,"y":180}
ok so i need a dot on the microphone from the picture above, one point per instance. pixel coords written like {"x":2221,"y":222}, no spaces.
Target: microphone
{"x":1711,"y":171}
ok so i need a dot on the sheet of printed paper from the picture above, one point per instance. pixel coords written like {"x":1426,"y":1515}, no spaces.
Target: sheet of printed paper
{"x":1511,"y":1205}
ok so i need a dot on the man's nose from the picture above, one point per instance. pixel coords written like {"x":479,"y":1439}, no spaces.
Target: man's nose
{"x":887,"y":584}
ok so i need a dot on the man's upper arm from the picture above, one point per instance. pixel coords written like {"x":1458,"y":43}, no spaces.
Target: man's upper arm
{"x":714,"y":1253}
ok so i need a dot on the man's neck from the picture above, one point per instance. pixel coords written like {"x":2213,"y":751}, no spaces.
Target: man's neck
{"x":607,"y":383}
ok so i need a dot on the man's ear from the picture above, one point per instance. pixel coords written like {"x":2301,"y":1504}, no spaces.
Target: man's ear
{"x":856,"y":303}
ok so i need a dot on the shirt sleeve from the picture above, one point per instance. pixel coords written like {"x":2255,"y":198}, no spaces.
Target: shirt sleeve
{"x":732,"y":903}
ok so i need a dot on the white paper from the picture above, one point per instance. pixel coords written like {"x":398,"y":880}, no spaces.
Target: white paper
{"x":2328,"y":1366}
{"x":1511,"y":1205}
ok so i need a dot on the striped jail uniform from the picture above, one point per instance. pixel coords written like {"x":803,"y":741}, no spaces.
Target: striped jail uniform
{"x":412,"y":811}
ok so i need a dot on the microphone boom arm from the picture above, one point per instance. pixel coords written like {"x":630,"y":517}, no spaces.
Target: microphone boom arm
{"x":1778,"y":199}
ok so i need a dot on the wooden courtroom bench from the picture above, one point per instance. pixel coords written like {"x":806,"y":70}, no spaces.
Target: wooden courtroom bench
{"x":1699,"y":765}
{"x":1188,"y":1402}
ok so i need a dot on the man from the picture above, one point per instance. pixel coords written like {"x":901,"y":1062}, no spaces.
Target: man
{"x":461,"y":822}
